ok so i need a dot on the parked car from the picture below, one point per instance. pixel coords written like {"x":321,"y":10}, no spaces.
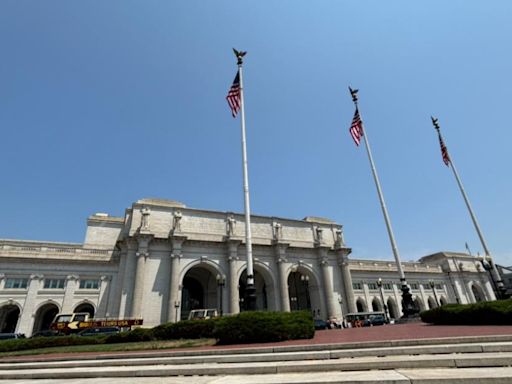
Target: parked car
{"x":99,"y":331}
{"x":320,"y":324}
{"x":202,"y":314}
{"x":377,"y":319}
{"x":46,"y":333}
{"x":7,"y":336}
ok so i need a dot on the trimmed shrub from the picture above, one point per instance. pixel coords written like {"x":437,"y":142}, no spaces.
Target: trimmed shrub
{"x":46,"y":342}
{"x":187,"y":329}
{"x":138,"y":334}
{"x":483,"y":313}
{"x":263,"y":327}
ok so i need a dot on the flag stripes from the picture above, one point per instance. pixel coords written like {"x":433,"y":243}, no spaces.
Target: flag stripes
{"x":444,"y":150}
{"x":234,"y":96}
{"x":356,"y":129}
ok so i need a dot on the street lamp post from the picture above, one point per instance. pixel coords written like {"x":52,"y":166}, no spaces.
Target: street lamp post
{"x":433,"y":286}
{"x":381,"y":291}
{"x":221,"y":281}
{"x":177,"y":306}
{"x":488,"y":268}
{"x":305,"y":281}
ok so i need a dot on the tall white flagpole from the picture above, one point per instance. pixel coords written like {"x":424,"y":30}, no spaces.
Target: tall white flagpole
{"x":493,"y":270}
{"x":250,"y":288}
{"x":409,"y":309}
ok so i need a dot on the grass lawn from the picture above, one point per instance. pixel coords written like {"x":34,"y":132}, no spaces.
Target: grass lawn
{"x":119,"y":347}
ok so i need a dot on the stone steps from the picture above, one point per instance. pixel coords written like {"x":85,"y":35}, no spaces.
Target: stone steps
{"x":465,"y":348}
{"x":303,"y":362}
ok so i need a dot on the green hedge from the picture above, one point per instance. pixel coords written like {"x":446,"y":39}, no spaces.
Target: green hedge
{"x":45,"y":342}
{"x":483,"y":313}
{"x":261,"y":327}
{"x":187,"y":329}
{"x":138,"y":334}
{"x":246,"y":327}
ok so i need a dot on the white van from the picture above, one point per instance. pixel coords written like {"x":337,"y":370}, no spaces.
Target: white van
{"x":202,"y":314}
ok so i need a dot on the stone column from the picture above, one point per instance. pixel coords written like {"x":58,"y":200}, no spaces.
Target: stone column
{"x":69,"y":293}
{"x":398,"y":299}
{"x":234,"y":299}
{"x":423,"y":295}
{"x":103,"y":296}
{"x":138,"y":289}
{"x":26,"y":322}
{"x":174,"y":289}
{"x":457,"y":284}
{"x":367,"y":299}
{"x":2,"y":281}
{"x":126,"y":298}
{"x":280,"y":249}
{"x":328,"y":287}
{"x":490,"y":292}
{"x":116,"y":284}
{"x":343,"y":262}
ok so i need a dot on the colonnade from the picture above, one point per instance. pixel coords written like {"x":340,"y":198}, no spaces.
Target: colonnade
{"x":135,"y":274}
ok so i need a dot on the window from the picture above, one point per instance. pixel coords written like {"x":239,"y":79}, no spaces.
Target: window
{"x":357,"y":286}
{"x":414,"y":286}
{"x":372,"y":286}
{"x":16,"y":283}
{"x":54,"y":283}
{"x":387,"y":286}
{"x":439,"y":286}
{"x":89,"y":284}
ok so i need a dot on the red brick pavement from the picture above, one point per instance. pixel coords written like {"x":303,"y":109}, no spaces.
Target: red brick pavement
{"x":339,"y":336}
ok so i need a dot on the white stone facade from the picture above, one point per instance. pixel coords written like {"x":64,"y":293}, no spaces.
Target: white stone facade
{"x":163,"y":259}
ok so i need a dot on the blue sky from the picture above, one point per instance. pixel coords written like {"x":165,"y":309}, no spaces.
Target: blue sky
{"x":104,"y":103}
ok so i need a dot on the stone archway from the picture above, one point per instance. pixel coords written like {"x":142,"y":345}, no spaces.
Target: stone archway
{"x":418,"y":303}
{"x":376,"y":305}
{"x":361,"y":305}
{"x":199,"y":290}
{"x":264,"y":290}
{"x":9,"y":315}
{"x":298,"y":290}
{"x":304,"y":291}
{"x":443,"y":301}
{"x":393,"y":309}
{"x":431,"y":302}
{"x":44,"y":317}
{"x":85,"y":307}
{"x":478,"y":293}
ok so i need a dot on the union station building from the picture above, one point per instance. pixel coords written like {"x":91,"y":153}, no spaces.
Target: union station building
{"x":163,"y":259}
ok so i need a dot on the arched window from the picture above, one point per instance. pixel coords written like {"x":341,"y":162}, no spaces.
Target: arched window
{"x":376,"y":306}
{"x":85,"y":307}
{"x":9,"y":315}
{"x":360,"y":305}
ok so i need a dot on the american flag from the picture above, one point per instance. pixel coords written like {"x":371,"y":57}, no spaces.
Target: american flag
{"x":444,"y":151}
{"x":234,"y":97}
{"x":356,"y":129}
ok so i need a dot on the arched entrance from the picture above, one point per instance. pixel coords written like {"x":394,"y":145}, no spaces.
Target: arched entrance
{"x":9,"y":315}
{"x":477,"y":293}
{"x":299,"y":291}
{"x":44,"y":317}
{"x":199,"y":290}
{"x":443,"y":301}
{"x":85,"y":307}
{"x":431,"y":303}
{"x":262,"y":302}
{"x":361,"y":305}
